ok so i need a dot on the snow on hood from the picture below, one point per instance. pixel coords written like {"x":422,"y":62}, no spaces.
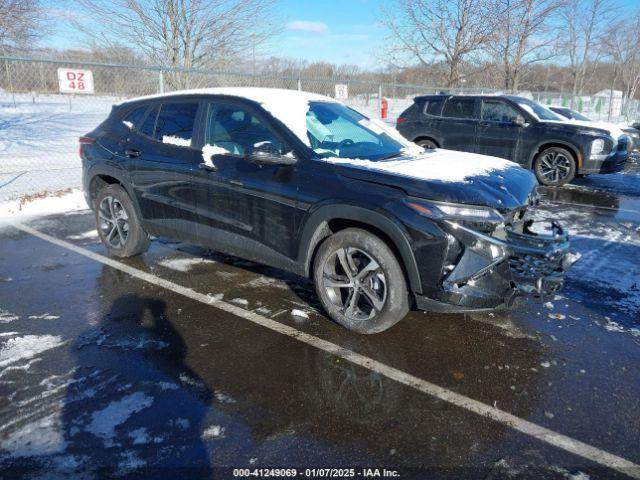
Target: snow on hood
{"x":288,"y":106}
{"x":612,"y":129}
{"x":442,"y":165}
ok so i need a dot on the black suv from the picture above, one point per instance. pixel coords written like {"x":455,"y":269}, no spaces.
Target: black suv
{"x":517,"y":129}
{"x":304,"y":183}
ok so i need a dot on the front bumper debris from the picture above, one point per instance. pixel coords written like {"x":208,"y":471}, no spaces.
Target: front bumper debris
{"x":539,"y":262}
{"x":492,"y":270}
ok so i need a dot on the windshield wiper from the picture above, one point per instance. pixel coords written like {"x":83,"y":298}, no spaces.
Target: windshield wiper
{"x":393,"y":155}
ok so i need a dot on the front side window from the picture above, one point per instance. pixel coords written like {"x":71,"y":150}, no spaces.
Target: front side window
{"x":534,"y":108}
{"x":335,"y":130}
{"x":232,"y":129}
{"x":175,"y":123}
{"x":459,"y":108}
{"x":493,"y":111}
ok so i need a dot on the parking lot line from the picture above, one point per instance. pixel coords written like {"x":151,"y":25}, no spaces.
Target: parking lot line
{"x":531,"y":429}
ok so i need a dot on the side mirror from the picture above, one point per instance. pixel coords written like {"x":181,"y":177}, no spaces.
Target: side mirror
{"x":266,"y":153}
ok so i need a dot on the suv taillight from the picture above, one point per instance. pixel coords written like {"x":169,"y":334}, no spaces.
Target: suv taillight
{"x":400,"y":120}
{"x":85,"y":141}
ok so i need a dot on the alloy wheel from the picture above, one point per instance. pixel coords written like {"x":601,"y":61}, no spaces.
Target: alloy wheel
{"x":554,"y":166}
{"x":113,"y":222}
{"x":355,"y":283}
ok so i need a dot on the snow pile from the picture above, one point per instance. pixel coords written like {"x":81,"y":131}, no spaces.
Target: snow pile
{"x":214,"y":431}
{"x":439,"y":164}
{"x":17,"y":210}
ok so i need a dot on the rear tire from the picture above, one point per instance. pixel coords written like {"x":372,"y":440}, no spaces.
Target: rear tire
{"x":118,"y":224}
{"x":427,"y":144}
{"x":554,"y":167}
{"x":360,"y":282}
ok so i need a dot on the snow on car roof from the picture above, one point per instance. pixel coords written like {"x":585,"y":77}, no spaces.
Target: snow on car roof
{"x":288,"y":106}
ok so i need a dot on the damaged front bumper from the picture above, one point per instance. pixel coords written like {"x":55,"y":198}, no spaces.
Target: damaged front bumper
{"x":493,"y":269}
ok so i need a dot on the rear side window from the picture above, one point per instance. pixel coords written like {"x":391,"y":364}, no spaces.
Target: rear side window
{"x":459,"y":108}
{"x":133,"y":118}
{"x":175,"y":123}
{"x":150,"y":123}
{"x":434,"y":107}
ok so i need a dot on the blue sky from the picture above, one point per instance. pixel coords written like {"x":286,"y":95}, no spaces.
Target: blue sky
{"x":337,"y":31}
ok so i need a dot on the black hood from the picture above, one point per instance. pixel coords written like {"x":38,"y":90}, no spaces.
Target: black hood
{"x":503,"y":188}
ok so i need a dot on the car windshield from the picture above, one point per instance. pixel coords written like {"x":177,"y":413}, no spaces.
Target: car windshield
{"x":537,"y":110}
{"x":335,"y":130}
{"x":579,"y":116}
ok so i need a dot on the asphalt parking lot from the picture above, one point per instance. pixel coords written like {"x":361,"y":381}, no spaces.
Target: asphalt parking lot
{"x":185,"y":363}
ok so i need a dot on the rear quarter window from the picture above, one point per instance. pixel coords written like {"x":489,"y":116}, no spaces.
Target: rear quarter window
{"x":133,"y":118}
{"x":433,"y":107}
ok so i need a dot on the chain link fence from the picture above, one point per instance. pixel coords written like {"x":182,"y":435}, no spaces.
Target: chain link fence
{"x":39,"y":126}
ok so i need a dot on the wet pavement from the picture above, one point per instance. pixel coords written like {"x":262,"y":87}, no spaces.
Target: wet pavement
{"x":103,"y":374}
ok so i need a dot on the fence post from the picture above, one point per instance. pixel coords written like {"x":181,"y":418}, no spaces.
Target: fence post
{"x":299,"y":85}
{"x":10,"y":82}
{"x":160,"y":81}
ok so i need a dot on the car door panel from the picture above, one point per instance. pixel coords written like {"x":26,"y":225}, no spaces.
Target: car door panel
{"x":161,"y":171}
{"x":498,"y":134}
{"x":253,"y":205}
{"x":460,"y":119}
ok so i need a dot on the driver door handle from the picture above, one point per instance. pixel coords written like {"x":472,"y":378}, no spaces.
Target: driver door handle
{"x":132,"y":153}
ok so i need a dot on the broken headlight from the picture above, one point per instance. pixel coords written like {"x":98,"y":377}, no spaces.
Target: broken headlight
{"x":473,"y":215}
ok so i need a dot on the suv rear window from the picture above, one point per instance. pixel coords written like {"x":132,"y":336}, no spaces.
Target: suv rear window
{"x":433,"y":107}
{"x":459,"y":108}
{"x":175,"y":123}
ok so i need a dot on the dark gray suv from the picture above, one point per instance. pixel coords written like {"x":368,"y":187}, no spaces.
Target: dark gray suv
{"x":517,"y":129}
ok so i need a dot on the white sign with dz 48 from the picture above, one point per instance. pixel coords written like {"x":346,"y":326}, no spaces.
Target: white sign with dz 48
{"x":73,"y":80}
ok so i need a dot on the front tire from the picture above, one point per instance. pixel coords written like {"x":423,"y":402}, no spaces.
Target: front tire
{"x":118,"y":224}
{"x":427,"y":144}
{"x":554,"y":167}
{"x":360,"y":282}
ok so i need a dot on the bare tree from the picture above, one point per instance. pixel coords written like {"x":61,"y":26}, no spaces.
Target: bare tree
{"x":623,"y":47}
{"x":448,"y":30}
{"x":19,"y":24}
{"x":584,"y":23}
{"x":523,"y":37}
{"x":183,"y":33}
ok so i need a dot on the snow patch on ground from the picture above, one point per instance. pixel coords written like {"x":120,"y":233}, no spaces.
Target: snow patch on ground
{"x":44,"y":316}
{"x":88,"y":235}
{"x":299,"y":314}
{"x":43,"y":436}
{"x":104,"y":422}
{"x":184,"y":264}
{"x":15,"y":210}
{"x":6,"y":317}
{"x":213,"y":431}
{"x":26,"y":347}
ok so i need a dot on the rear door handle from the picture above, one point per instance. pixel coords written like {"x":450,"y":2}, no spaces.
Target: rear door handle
{"x":132,"y":153}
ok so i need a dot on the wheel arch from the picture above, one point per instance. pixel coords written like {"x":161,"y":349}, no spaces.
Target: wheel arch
{"x":101,"y":177}
{"x":575,"y":152}
{"x":332,"y":218}
{"x":427,"y":137}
